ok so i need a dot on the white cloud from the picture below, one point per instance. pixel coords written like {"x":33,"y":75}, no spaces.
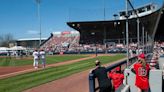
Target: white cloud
{"x":32,"y":32}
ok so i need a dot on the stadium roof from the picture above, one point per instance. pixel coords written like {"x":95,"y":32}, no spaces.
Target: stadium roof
{"x":97,"y":31}
{"x":30,"y":39}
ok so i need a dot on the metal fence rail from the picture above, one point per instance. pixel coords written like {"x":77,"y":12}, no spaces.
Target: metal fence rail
{"x":92,"y":87}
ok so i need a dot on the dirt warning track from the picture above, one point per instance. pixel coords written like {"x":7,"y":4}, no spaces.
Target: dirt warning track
{"x":74,"y":83}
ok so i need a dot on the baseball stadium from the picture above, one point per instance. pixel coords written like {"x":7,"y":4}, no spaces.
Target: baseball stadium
{"x":69,"y":56}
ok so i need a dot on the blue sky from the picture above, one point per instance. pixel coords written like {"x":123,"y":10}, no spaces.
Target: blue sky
{"x":19,"y":17}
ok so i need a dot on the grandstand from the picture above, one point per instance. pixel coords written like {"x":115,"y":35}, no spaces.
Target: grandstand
{"x":95,"y":34}
{"x":102,"y":32}
{"x":62,"y":41}
{"x":105,"y":31}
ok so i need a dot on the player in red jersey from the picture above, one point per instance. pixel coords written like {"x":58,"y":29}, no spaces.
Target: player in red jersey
{"x":117,"y":78}
{"x":141,"y":69}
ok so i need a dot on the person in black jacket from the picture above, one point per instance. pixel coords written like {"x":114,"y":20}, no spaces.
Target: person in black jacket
{"x":100,"y":73}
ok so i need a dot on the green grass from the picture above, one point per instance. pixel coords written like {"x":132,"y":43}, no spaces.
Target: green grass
{"x":29,"y":80}
{"x":6,"y":61}
{"x":56,"y":59}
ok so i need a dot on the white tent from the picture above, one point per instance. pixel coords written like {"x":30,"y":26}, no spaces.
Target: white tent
{"x":17,"y":48}
{"x":4,"y":48}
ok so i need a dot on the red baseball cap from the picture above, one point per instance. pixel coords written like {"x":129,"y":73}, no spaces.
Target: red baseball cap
{"x":142,"y":56}
{"x":118,"y":68}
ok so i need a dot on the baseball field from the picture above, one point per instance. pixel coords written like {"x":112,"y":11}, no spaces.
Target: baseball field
{"x":21,"y":82}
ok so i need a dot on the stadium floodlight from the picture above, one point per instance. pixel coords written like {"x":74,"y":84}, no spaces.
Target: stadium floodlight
{"x":39,"y":19}
{"x":115,"y":17}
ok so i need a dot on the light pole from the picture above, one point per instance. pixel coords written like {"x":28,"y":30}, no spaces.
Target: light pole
{"x":104,"y":9}
{"x":127,"y":34}
{"x":39,"y":19}
{"x":138,"y":34}
{"x":143,"y":38}
{"x":123,"y":37}
{"x":138,"y":24}
{"x":93,"y":34}
{"x":146,"y":43}
{"x":104,"y":41}
{"x":115,"y":24}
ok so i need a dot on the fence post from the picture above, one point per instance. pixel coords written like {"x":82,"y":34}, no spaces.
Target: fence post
{"x":91,"y":83}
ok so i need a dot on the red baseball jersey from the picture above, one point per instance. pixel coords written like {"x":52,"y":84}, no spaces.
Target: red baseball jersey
{"x":142,"y":80}
{"x":117,"y":79}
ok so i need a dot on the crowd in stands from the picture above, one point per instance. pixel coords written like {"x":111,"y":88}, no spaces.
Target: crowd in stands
{"x":68,"y":42}
{"x":62,"y":42}
{"x":141,"y":70}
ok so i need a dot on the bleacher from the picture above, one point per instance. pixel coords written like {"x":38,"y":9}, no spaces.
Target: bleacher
{"x":62,"y":41}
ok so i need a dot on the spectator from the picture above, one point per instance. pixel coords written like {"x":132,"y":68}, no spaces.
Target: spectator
{"x":103,"y":80}
{"x":140,"y":50}
{"x":42,"y":57}
{"x":141,"y":69}
{"x":36,"y":58}
{"x":117,"y":78}
{"x":153,"y":63}
{"x":130,"y":52}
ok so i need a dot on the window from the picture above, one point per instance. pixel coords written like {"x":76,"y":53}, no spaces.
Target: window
{"x":141,"y":10}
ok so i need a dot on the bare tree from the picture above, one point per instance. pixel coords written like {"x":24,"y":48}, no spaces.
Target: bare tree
{"x":6,"y":39}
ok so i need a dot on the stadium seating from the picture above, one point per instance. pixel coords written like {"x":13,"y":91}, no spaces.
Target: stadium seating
{"x":62,"y":41}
